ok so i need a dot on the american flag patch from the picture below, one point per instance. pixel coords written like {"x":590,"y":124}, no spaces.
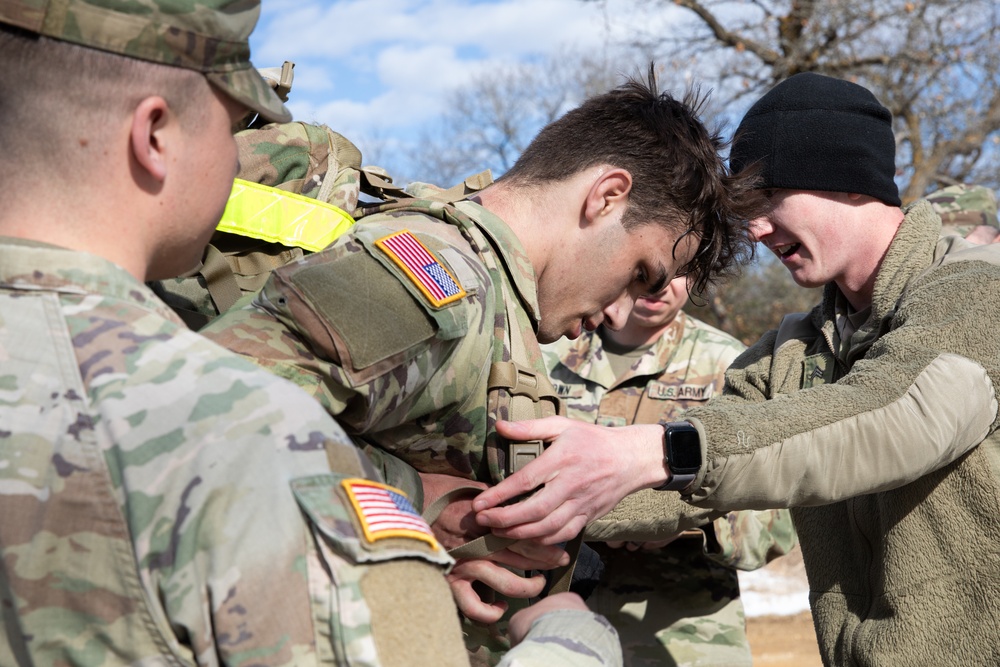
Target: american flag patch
{"x":426,"y":272}
{"x":385,"y":512}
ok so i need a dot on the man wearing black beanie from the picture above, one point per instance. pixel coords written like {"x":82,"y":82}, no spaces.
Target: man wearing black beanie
{"x":882,"y":432}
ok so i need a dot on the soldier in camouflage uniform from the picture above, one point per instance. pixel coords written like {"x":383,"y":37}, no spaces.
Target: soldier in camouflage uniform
{"x":163,"y":500}
{"x":396,"y":326}
{"x":675,"y":603}
{"x":969,"y":211}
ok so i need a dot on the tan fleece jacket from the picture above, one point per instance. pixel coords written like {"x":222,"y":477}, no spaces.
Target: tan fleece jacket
{"x":886,"y":446}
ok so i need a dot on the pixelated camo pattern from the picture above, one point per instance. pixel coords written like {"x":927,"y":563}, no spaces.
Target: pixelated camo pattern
{"x":678,"y":604}
{"x":964,"y":207}
{"x":302,"y":158}
{"x":152,"y":496}
{"x":305,"y":158}
{"x":424,"y":397}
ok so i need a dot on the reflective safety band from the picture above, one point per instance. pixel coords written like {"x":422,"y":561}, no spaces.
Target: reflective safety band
{"x":273,"y":215}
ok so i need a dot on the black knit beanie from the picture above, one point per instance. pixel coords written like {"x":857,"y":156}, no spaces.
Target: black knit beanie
{"x":814,"y":132}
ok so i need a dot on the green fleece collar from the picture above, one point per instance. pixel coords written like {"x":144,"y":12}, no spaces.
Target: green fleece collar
{"x":912,"y":250}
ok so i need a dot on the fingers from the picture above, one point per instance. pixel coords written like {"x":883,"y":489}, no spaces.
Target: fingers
{"x":520,"y":623}
{"x":522,"y":555}
{"x":527,"y":555}
{"x":523,"y":481}
{"x":546,"y":428}
{"x":471,"y":605}
{"x":500,"y":579}
{"x":457,"y":525}
{"x":532,"y":475}
{"x":503,"y":581}
{"x":549,"y":516}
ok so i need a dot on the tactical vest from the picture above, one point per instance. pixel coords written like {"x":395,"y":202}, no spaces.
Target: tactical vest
{"x":518,"y":385}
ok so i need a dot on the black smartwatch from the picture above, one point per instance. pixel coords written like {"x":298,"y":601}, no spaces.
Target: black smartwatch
{"x":681,"y":454}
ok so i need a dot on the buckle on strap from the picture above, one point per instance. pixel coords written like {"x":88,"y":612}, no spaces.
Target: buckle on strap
{"x":520,"y":454}
{"x":517,"y":380}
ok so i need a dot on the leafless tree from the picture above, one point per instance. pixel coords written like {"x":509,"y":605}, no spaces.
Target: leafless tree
{"x":934,"y":63}
{"x":490,"y":121}
{"x":749,"y":305}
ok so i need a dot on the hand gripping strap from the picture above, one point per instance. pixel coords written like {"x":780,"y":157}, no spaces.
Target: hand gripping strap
{"x":483,"y":546}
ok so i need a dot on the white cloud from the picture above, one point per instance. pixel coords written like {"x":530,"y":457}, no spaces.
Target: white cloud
{"x":388,"y":64}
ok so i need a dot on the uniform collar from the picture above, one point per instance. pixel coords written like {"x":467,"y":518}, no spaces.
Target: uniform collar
{"x":31,"y":265}
{"x":586,"y":357}
{"x":511,"y":253}
{"x":915,"y":247}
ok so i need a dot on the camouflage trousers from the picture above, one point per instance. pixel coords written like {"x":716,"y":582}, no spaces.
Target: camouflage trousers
{"x":673,"y":607}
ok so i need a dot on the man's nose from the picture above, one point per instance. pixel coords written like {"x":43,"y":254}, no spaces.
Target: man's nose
{"x":616,"y":314}
{"x":760,"y":227}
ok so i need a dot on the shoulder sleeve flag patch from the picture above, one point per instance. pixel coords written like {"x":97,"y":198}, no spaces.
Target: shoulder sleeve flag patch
{"x":385,"y":512}
{"x":427,"y":273}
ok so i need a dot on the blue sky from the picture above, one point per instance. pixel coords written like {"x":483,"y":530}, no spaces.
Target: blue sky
{"x":377,"y":70}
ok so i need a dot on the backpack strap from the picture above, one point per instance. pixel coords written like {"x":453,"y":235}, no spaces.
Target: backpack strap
{"x":219,"y":279}
{"x":469,"y":186}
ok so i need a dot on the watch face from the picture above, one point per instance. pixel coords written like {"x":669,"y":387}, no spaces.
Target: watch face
{"x":685,"y":450}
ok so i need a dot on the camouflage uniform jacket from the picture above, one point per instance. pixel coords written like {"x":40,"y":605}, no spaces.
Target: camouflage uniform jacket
{"x":684,"y":367}
{"x":401,"y":368}
{"x":885,"y":446}
{"x":165,"y":502}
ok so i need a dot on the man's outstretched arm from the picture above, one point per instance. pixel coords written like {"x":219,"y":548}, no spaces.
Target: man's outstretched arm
{"x":585,"y":471}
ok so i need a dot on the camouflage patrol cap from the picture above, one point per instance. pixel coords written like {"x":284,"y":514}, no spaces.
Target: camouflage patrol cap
{"x":964,"y":207}
{"x":209,"y":36}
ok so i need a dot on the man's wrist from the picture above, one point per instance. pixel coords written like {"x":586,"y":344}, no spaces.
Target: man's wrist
{"x":652,"y":470}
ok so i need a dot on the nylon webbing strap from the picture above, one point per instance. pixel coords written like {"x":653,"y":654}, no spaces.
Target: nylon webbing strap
{"x":374,"y":184}
{"x":562,"y":577}
{"x":219,"y":279}
{"x":470,"y":185}
{"x":531,"y":396}
{"x":481,"y":546}
{"x":273,"y":215}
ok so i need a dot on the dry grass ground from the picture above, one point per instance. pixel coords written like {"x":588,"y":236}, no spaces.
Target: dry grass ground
{"x":786,"y":640}
{"x":783,"y":641}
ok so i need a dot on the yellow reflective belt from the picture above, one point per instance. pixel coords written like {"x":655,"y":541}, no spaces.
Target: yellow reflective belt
{"x":273,"y":215}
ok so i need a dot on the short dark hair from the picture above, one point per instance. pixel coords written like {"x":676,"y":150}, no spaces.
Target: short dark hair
{"x":679,"y":177}
{"x":49,"y":88}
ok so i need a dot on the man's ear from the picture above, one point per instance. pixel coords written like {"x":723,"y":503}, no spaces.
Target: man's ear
{"x":608,"y":193}
{"x":148,"y":136}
